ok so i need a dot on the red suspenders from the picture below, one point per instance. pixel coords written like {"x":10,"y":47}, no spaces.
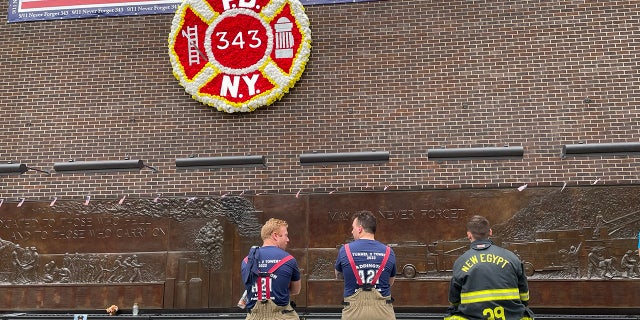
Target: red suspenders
{"x":355,"y":270}
{"x":264,"y":292}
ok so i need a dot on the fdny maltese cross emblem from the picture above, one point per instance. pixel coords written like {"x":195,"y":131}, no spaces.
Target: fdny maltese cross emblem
{"x":239,"y":55}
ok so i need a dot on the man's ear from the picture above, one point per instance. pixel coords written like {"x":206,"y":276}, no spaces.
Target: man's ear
{"x":490,"y":232}
{"x":469,"y":236}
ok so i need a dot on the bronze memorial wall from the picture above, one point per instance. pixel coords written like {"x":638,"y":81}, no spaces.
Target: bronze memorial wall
{"x":578,"y":245}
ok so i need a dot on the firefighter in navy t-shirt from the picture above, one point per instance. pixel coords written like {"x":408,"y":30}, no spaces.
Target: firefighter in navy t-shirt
{"x":368,"y":268}
{"x":271,"y":275}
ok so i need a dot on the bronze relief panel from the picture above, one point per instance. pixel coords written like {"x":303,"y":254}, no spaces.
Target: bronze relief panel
{"x":186,"y":253}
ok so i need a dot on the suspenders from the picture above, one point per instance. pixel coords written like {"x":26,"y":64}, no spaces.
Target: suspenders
{"x":264,"y":292}
{"x":366,"y":286}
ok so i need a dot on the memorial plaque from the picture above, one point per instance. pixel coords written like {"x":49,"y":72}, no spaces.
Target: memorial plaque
{"x":578,"y":246}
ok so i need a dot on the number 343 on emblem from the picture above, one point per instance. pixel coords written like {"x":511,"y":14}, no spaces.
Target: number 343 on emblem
{"x":239,"y":55}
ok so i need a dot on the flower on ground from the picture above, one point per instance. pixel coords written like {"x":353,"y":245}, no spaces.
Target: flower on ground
{"x":112,"y":310}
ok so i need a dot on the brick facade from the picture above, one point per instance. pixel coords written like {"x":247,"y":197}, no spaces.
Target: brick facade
{"x":395,"y":75}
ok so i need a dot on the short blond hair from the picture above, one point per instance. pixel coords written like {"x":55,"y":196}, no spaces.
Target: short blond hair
{"x":272,"y":225}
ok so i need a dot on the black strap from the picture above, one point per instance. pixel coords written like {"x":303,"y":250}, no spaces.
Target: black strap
{"x":367,"y":286}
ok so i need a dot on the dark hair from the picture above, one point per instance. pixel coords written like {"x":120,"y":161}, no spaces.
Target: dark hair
{"x":479,"y":227}
{"x":367,"y":220}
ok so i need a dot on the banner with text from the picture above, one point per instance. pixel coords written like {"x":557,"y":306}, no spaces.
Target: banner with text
{"x":35,"y":10}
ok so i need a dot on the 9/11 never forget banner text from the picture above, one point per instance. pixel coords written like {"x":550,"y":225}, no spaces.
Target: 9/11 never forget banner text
{"x":36,"y":10}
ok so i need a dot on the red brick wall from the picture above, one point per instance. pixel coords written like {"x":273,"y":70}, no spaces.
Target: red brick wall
{"x":395,"y":75}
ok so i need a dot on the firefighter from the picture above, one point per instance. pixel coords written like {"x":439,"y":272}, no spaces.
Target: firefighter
{"x":368,"y":269}
{"x":628,"y":264}
{"x":488,"y":281}
{"x":271,"y":275}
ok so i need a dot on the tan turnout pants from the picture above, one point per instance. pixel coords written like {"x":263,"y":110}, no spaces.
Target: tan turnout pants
{"x":368,"y":305}
{"x":271,"y":311}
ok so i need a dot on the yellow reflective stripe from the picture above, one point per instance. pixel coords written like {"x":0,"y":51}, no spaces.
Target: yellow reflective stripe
{"x":455,"y":317}
{"x":490,"y":295}
{"x":524,"y":296}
